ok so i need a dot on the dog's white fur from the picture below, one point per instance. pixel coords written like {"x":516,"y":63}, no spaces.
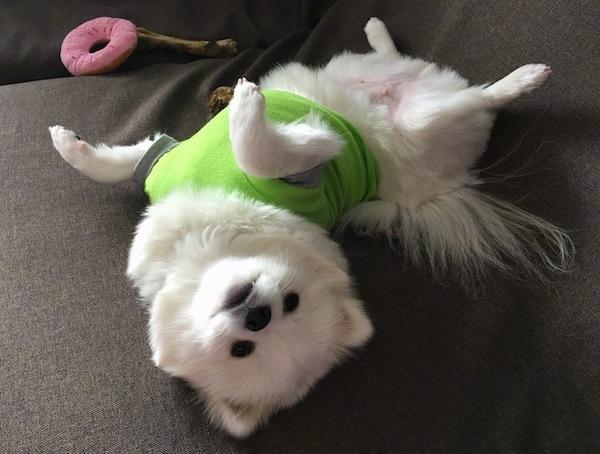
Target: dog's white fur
{"x":425,"y":126}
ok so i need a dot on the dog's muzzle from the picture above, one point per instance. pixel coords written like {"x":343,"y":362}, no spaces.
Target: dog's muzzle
{"x":258,"y":316}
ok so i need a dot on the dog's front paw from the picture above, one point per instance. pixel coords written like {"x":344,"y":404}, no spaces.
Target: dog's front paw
{"x":246,"y":109}
{"x":248,"y":93}
{"x":73,"y":150}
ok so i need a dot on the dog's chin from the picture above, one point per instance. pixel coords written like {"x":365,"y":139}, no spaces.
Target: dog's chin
{"x":254,"y":333}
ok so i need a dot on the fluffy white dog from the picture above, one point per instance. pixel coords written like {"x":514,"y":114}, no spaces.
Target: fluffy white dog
{"x":252,"y":304}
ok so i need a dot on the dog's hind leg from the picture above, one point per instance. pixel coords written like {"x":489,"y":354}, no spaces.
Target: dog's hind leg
{"x":103,"y":163}
{"x":522,"y":80}
{"x":452,"y":127}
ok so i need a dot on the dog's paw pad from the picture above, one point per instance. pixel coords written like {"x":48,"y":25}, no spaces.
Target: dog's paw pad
{"x":64,"y":138}
{"x":69,"y":145}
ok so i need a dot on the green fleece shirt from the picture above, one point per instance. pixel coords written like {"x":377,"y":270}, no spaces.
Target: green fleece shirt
{"x":206,"y":160}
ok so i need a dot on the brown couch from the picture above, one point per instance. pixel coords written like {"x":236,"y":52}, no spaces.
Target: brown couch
{"x":508,"y":368}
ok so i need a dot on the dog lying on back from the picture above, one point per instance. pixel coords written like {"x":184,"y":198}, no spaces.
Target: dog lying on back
{"x":250,"y":301}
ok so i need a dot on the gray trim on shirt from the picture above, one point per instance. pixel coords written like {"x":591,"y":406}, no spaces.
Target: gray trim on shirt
{"x":143,"y":167}
{"x":308,"y":179}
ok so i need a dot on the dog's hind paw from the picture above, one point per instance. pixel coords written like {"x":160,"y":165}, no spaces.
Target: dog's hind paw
{"x":530,"y":77}
{"x":379,"y":38}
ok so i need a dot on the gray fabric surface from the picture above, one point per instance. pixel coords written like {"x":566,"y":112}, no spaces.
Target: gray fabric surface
{"x":509,"y":369}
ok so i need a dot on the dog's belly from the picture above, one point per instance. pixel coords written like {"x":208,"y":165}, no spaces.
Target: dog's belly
{"x":391,"y":90}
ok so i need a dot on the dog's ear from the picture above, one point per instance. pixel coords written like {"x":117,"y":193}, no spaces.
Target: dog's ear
{"x":239,"y":419}
{"x":357,"y":328}
{"x":162,"y":344}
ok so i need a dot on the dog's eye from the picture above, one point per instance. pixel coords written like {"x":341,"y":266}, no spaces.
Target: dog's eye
{"x":241,"y":349}
{"x":290,"y":302}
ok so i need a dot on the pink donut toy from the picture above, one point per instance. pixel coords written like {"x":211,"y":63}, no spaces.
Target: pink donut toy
{"x":115,"y":39}
{"x":100,"y":45}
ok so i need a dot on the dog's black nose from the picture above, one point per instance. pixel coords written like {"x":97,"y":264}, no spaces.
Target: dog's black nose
{"x":258,"y":317}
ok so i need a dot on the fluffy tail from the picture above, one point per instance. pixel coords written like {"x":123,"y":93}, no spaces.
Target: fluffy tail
{"x":467,"y":231}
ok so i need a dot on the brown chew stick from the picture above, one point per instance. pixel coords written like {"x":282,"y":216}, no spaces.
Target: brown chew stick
{"x":151,"y":40}
{"x":219,"y":99}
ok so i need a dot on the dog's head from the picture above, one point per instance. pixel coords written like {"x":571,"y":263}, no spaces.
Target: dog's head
{"x":253,"y":322}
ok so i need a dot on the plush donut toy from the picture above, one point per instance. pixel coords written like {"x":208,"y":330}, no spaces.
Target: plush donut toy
{"x":100,"y":45}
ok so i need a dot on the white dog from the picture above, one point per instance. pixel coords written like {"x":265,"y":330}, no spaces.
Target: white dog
{"x":252,"y":304}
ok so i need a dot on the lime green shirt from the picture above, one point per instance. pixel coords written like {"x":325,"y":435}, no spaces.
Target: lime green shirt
{"x":206,"y":160}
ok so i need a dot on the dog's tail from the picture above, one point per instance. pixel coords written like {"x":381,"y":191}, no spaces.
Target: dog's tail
{"x":466,"y":231}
